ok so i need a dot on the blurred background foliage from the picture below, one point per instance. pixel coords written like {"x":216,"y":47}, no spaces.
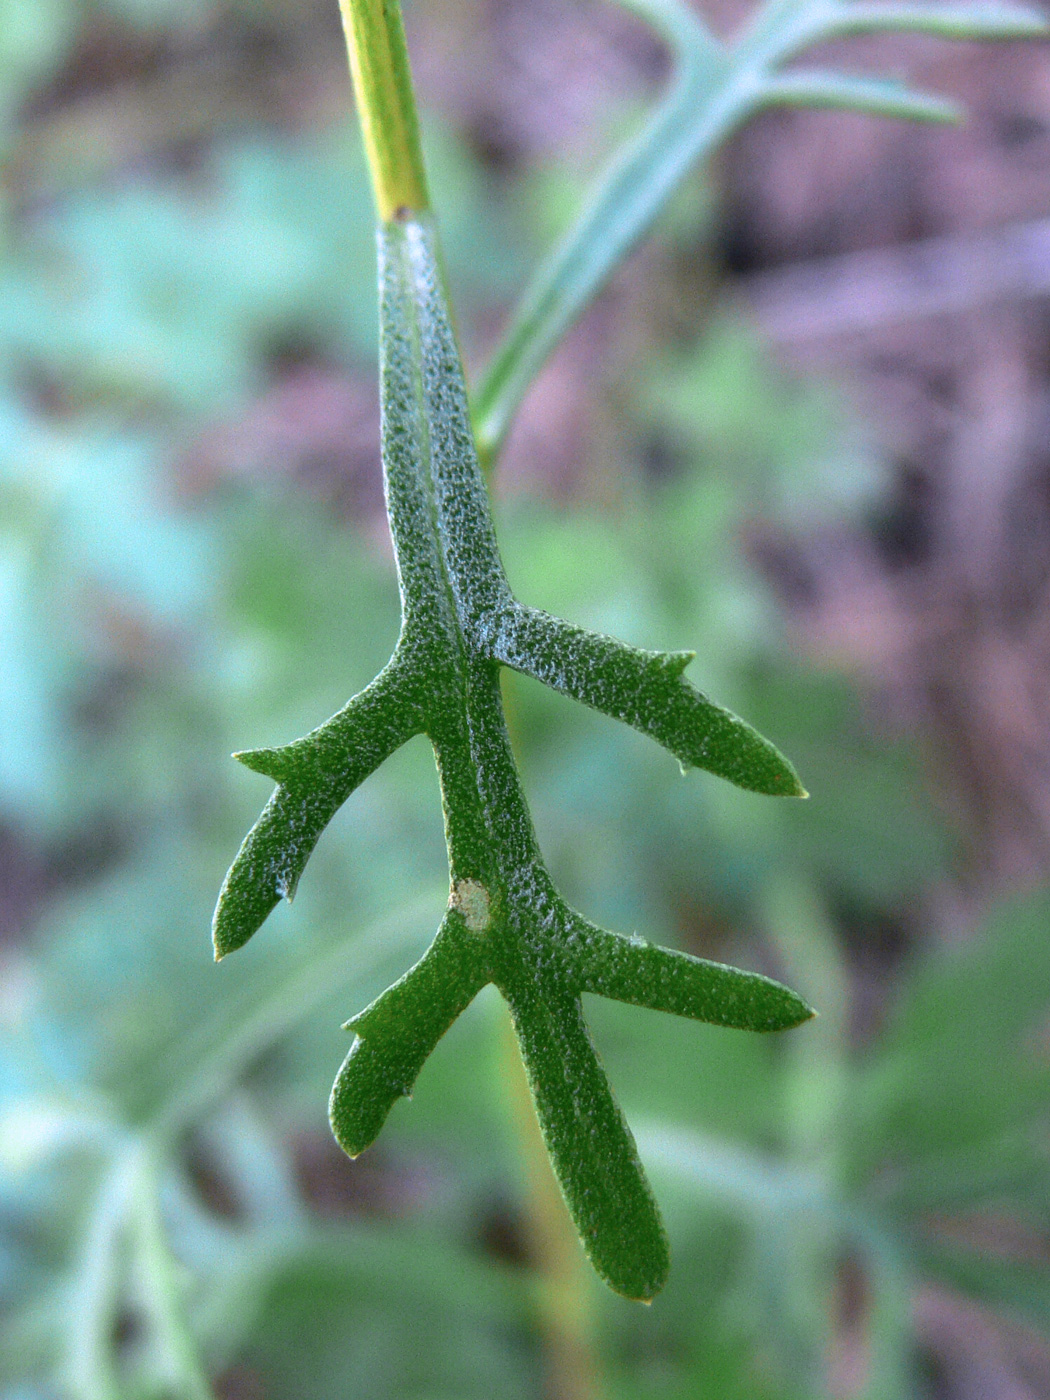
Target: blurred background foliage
{"x":194,"y":560}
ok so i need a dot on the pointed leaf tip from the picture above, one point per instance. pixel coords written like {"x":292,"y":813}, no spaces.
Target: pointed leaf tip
{"x":800,"y":1013}
{"x":309,"y":793}
{"x":268,"y":865}
{"x":675,"y":663}
{"x":271,"y":763}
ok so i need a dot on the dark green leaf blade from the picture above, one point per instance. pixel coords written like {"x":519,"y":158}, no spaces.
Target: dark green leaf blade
{"x":662,"y":979}
{"x":589,"y":1142}
{"x":268,"y":865}
{"x":646,"y":690}
{"x":316,"y":775}
{"x":396,"y":1034}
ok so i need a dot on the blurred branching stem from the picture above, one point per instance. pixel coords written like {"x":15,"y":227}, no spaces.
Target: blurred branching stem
{"x":717,"y":86}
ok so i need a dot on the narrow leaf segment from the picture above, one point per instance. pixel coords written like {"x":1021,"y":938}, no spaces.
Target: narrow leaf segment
{"x":505,"y":923}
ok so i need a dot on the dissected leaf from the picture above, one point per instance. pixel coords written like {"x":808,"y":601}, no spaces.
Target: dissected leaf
{"x":663,"y":979}
{"x":506,"y":923}
{"x":850,"y":93}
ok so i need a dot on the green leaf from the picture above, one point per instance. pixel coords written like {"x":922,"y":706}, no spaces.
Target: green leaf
{"x":590,"y":1145}
{"x":631,"y":970}
{"x":396,"y":1034}
{"x":648,"y":691}
{"x":316,"y":775}
{"x":628,"y":196}
{"x":506,"y":923}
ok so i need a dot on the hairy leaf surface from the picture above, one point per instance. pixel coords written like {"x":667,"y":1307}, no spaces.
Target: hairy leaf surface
{"x":506,"y":922}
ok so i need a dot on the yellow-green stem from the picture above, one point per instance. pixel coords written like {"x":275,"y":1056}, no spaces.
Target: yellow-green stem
{"x":375,"y":41}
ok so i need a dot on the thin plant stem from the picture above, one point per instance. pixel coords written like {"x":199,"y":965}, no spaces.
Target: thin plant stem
{"x":386,"y":106}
